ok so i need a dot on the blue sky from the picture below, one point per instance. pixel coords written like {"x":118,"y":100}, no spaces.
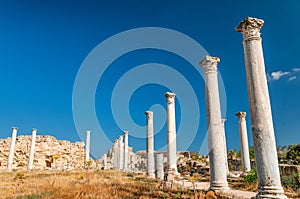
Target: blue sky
{"x":43,"y":45}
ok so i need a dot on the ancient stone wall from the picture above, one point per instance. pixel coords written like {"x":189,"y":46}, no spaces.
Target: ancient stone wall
{"x":50,"y":153}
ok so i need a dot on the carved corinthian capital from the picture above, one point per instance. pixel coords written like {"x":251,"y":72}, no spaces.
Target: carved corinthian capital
{"x":210,"y":63}
{"x":149,"y":114}
{"x":170,"y":97}
{"x":241,"y":114}
{"x":250,"y":28}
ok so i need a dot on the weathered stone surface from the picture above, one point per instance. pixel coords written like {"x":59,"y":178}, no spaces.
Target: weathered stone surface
{"x":69,"y":155}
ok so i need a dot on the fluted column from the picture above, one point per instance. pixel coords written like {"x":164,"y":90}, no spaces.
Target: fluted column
{"x":225,"y":147}
{"x":244,"y":141}
{"x":159,"y":165}
{"x":150,"y":144}
{"x":216,"y":144}
{"x":269,"y":185}
{"x":125,"y":151}
{"x":171,"y":132}
{"x":121,"y":153}
{"x":87,"y":146}
{"x":32,"y":149}
{"x":12,"y":148}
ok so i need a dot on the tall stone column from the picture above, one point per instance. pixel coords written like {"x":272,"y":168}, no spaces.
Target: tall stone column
{"x":216,"y":143}
{"x":87,"y":146}
{"x":225,"y":147}
{"x":159,"y":165}
{"x":104,"y":161}
{"x":244,"y":141}
{"x":269,"y":185}
{"x":115,"y":154}
{"x":31,"y":153}
{"x":12,"y":148}
{"x":121,"y":153}
{"x":150,"y":144}
{"x":171,"y":133}
{"x":125,"y":151}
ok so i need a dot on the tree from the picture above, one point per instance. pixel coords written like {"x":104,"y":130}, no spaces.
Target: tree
{"x":251,"y":152}
{"x":294,"y":153}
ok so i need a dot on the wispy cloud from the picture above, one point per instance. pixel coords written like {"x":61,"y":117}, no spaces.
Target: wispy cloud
{"x":277,"y":75}
{"x":292,"y":78}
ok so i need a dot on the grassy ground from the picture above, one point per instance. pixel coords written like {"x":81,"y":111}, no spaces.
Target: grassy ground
{"x":83,"y":184}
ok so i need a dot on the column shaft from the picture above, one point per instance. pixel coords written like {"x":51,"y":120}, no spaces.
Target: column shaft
{"x":216,"y":141}
{"x":32,"y":149}
{"x":121,"y":153}
{"x":87,"y":146}
{"x":12,"y":149}
{"x":269,"y":185}
{"x":150,"y":144}
{"x":159,"y":165}
{"x":171,"y":132}
{"x":125,"y":151}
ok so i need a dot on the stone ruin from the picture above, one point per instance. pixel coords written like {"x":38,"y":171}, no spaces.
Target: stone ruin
{"x":69,"y":155}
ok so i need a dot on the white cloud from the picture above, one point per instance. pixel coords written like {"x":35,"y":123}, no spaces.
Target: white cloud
{"x":296,"y":69}
{"x":292,"y":78}
{"x":277,"y":75}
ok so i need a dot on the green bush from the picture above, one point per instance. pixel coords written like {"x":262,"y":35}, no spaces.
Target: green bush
{"x":251,"y":176}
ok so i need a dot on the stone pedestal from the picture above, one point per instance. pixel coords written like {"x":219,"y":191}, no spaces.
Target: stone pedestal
{"x":217,"y":160}
{"x":121,"y":153}
{"x":159,"y":165}
{"x":150,"y":144}
{"x":171,"y":134}
{"x":244,"y":141}
{"x":269,"y":185}
{"x":12,"y":149}
{"x":31,"y":152}
{"x":125,"y":151}
{"x":225,"y":147}
{"x":87,"y":146}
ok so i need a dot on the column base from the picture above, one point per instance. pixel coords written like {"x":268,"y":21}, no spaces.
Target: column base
{"x":270,"y":192}
{"x":219,"y":186}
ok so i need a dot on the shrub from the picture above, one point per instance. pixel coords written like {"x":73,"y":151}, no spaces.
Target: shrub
{"x":251,"y":176}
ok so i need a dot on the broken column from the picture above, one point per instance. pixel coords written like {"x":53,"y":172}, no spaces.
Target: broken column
{"x":171,"y":134}
{"x":150,"y":144}
{"x":269,"y":185}
{"x":125,"y":167}
{"x":87,"y":146}
{"x":244,"y":141}
{"x":12,"y":148}
{"x":32,"y":149}
{"x":115,"y":154}
{"x":225,"y":147}
{"x":218,"y":175}
{"x":159,"y":165}
{"x":121,"y":153}
{"x":104,"y":161}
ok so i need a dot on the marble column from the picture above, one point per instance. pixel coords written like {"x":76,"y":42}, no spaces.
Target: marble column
{"x":125,"y":168}
{"x":32,"y":149}
{"x":171,"y":133}
{"x":225,"y":147}
{"x":150,"y":144}
{"x":216,"y":144}
{"x":269,"y":185}
{"x":104,"y":161}
{"x":115,"y":154}
{"x":121,"y":153}
{"x":159,"y":165}
{"x":244,"y":141}
{"x":12,"y":148}
{"x":87,"y":146}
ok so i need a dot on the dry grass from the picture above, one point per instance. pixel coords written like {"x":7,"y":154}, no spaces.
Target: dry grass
{"x":83,"y":184}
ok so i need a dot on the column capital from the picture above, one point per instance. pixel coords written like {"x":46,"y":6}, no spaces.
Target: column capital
{"x":125,"y":132}
{"x":34,"y":129}
{"x":241,"y":114}
{"x":149,"y":114}
{"x":170,"y":97}
{"x":250,"y":28}
{"x":210,"y":64}
{"x":15,"y":128}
